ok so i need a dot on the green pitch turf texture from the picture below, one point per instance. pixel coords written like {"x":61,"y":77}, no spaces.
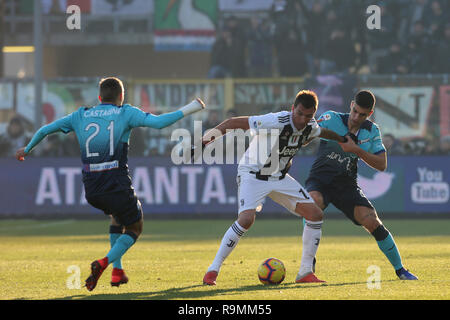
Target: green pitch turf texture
{"x":169,"y":260}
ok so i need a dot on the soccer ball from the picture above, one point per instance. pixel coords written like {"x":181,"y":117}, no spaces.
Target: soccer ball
{"x":271,"y":271}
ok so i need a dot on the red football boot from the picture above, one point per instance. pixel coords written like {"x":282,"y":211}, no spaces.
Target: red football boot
{"x":118,"y":277}
{"x":210,"y":278}
{"x":309,"y":278}
{"x":97,"y":268}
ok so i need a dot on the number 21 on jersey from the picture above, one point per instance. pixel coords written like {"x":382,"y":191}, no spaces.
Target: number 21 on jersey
{"x":95,"y":133}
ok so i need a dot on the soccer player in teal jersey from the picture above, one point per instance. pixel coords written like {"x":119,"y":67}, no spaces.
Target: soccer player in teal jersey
{"x":333,"y":176}
{"x":103,"y":133}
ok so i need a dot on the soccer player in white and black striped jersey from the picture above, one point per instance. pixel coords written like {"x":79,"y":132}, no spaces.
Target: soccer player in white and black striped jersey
{"x":294,"y":128}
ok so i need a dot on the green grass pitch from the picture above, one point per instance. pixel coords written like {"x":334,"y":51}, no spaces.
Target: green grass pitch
{"x":43,"y":260}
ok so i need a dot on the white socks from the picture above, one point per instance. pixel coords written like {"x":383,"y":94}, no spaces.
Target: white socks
{"x":312,"y":232}
{"x":229,"y":242}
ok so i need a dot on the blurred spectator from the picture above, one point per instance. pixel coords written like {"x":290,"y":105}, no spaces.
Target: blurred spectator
{"x":379,"y":41}
{"x":394,"y":62}
{"x":238,"y":47}
{"x":352,"y":17}
{"x":326,"y":61}
{"x":419,"y":50}
{"x":70,"y":146}
{"x":393,"y":146}
{"x":340,"y":51}
{"x":259,"y":48}
{"x":212,"y":121}
{"x":444,"y":145}
{"x":316,"y":33}
{"x":432,"y":147}
{"x":283,"y":14}
{"x":52,"y":146}
{"x":416,"y":12}
{"x":291,"y":56}
{"x":158,"y":146}
{"x":228,"y":52}
{"x":403,"y":11}
{"x":416,"y":146}
{"x":14,"y":138}
{"x":436,"y":19}
{"x":441,"y":62}
{"x":221,"y":56}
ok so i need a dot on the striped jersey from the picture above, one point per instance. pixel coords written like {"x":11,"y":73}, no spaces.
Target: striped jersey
{"x":276,"y":141}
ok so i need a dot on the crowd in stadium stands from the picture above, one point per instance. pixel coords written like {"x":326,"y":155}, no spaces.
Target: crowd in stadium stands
{"x":296,"y":38}
{"x":331,"y":36}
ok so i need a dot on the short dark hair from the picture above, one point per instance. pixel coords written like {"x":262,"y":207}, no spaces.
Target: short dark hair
{"x":365,"y":99}
{"x":307,"y":98}
{"x":110,"y":89}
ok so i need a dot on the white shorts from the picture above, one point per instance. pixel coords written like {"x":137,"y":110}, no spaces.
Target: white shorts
{"x":286,"y":192}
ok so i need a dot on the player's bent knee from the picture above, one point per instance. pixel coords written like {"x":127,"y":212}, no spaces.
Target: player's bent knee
{"x":136,"y":228}
{"x":247,"y":218}
{"x":309,"y":211}
{"x":368,"y":218}
{"x":371,"y":223}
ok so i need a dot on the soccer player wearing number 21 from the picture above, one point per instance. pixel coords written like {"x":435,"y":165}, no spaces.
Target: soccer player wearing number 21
{"x":103,"y":133}
{"x":293,"y":128}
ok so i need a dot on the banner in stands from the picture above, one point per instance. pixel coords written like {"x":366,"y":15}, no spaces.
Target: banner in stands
{"x":185,"y":25}
{"x":403,"y":111}
{"x":427,"y":184}
{"x":444,"y":96}
{"x":59,"y":99}
{"x":163,"y":97}
{"x":334,"y":92}
{"x":251,"y":98}
{"x":54,"y":186}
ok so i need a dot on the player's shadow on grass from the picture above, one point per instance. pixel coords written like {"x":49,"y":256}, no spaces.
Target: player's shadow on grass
{"x":181,"y":293}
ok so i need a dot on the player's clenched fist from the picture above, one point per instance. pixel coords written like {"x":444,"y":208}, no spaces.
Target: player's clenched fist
{"x":20,"y":154}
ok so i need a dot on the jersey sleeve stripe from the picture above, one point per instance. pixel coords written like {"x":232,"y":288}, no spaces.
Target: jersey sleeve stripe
{"x":284,"y":119}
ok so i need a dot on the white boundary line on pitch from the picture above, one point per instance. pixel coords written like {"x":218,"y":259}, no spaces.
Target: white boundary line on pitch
{"x":44,"y":225}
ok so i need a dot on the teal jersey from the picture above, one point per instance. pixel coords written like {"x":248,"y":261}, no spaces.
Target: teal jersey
{"x":332,"y":163}
{"x":103,"y":133}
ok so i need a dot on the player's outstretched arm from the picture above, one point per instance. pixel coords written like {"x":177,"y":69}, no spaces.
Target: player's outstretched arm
{"x":221,"y":129}
{"x":141,"y":119}
{"x":63,"y":124}
{"x":218,"y":131}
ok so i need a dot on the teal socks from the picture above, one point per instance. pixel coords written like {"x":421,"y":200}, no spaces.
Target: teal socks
{"x":121,"y":245}
{"x":114,"y":233}
{"x":387,"y":245}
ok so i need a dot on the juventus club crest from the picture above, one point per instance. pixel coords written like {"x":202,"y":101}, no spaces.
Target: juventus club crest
{"x":294,"y":140}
